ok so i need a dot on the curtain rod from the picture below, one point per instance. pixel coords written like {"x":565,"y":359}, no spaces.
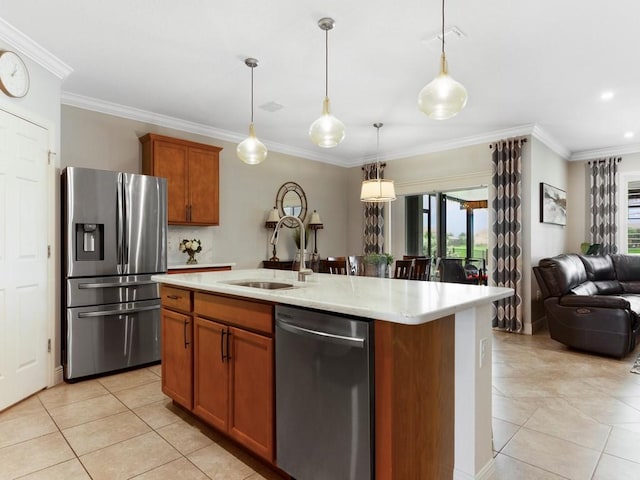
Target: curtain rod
{"x":523,"y":140}
{"x":373,"y":163}
{"x":603,"y":160}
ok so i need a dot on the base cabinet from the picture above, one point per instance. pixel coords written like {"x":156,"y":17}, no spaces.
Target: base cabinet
{"x":211,"y":376}
{"x":177,"y":357}
{"x":251,"y":391}
{"x":219,"y":363}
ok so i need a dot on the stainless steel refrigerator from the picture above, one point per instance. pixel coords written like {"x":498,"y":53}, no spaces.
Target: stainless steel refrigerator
{"x":114,"y":229}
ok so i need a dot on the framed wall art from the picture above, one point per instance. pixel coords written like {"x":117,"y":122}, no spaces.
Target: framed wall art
{"x":553,"y":205}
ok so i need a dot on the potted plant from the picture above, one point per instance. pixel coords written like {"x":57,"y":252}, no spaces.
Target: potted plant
{"x":377,"y":264}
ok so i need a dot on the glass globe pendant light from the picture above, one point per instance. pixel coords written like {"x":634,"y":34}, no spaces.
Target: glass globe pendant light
{"x":443,"y":97}
{"x":251,"y":150}
{"x":327,"y":131}
{"x":378,"y":189}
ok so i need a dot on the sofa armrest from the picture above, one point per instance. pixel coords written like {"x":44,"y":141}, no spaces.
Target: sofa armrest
{"x":594,"y":301}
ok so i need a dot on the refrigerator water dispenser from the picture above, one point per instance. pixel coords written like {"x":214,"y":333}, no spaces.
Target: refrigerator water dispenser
{"x":89,"y":241}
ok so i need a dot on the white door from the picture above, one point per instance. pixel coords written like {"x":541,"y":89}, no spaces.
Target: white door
{"x":24,"y":360}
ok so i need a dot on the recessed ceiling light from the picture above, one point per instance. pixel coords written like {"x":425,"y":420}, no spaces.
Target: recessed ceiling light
{"x":271,"y":106}
{"x":608,"y":95}
{"x":628,"y":135}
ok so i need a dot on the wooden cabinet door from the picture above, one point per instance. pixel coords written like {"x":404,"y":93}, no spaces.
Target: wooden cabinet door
{"x":211,"y":392}
{"x":203,"y":186}
{"x":171,"y":162}
{"x":251,"y":416}
{"x":177,"y":358}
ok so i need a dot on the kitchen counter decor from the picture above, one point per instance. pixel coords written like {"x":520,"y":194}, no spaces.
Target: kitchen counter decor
{"x":191,"y":247}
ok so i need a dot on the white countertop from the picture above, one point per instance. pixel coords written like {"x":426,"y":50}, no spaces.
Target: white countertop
{"x":202,"y":265}
{"x":409,"y":302}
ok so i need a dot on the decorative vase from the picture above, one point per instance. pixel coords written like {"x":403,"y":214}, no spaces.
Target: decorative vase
{"x":192,"y":259}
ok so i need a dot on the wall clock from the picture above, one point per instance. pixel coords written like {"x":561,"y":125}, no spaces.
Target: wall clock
{"x":14,"y":76}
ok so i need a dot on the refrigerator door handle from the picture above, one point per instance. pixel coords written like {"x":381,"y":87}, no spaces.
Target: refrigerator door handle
{"x":115,"y":284}
{"x":126,"y":334}
{"x":122,"y":311}
{"x":120,"y":226}
{"x":125,"y":223}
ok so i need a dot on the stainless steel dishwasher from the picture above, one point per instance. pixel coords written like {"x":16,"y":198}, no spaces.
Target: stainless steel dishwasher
{"x":324,"y":395}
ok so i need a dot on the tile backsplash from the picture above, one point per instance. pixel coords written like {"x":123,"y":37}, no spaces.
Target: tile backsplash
{"x":176,"y":234}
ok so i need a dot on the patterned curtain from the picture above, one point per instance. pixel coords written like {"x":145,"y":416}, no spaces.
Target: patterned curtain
{"x":604,"y":209}
{"x":373,"y":216}
{"x":507,"y":230}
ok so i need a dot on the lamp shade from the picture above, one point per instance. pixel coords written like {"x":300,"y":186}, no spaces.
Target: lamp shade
{"x":327,"y":131}
{"x":251,"y":150}
{"x":443,"y":97}
{"x":377,"y":190}
{"x":274,"y":216}
{"x":315,"y":222}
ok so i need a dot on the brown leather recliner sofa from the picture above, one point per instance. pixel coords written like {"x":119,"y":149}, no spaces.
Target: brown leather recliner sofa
{"x":592,"y":302}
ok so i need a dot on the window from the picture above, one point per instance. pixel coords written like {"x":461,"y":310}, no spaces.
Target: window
{"x":459,"y":229}
{"x":633,"y":217}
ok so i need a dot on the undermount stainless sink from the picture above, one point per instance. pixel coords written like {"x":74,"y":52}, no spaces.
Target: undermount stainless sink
{"x":264,"y":284}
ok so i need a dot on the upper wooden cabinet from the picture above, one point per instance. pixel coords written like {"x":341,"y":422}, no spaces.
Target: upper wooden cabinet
{"x":192,"y":173}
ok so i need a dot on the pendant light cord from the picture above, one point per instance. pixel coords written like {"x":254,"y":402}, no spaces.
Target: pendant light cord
{"x":443,"y":27}
{"x":326,"y":63}
{"x":377,"y":152}
{"x":252,"y":94}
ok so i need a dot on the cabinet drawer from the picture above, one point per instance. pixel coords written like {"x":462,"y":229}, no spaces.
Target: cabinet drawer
{"x":243,"y":313}
{"x":176,"y":298}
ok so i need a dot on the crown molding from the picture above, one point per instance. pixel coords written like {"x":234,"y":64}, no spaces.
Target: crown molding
{"x":131,"y":113}
{"x":26,"y":46}
{"x":605,"y":152}
{"x":535,"y":130}
{"x":544,"y":136}
{"x":452,"y":144}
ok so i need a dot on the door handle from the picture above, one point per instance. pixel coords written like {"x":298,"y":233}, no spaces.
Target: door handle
{"x":186,"y":343}
{"x":222,"y":356}
{"x":120,"y":311}
{"x":322,"y":336}
{"x":115,"y":284}
{"x":173,"y":297}
{"x":228,"y":337}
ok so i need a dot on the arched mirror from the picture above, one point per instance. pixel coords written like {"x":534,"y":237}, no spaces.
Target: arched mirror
{"x":291,"y":200}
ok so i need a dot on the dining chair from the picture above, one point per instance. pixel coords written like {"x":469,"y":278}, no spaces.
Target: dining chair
{"x":336,"y":267}
{"x":403,"y":269}
{"x":453,"y":271}
{"x":420,"y":269}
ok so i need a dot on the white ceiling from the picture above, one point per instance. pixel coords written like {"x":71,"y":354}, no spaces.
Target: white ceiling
{"x":525,"y":64}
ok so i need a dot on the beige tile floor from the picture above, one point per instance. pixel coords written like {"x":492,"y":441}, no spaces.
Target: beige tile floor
{"x":558,"y":414}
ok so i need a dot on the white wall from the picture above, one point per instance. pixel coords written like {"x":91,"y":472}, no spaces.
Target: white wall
{"x":543,"y":239}
{"x":247,"y":193}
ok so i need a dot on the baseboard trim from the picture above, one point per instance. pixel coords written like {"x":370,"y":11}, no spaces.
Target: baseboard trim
{"x":488,"y":472}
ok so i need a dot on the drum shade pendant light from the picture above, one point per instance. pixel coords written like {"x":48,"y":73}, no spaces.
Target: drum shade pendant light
{"x":377,"y":189}
{"x":251,"y":150}
{"x":327,"y":131}
{"x":443,"y":97}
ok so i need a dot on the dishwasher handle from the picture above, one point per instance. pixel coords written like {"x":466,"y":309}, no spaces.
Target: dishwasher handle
{"x":356,"y":342}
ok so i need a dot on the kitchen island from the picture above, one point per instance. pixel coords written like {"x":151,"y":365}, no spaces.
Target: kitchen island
{"x":432,"y":357}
